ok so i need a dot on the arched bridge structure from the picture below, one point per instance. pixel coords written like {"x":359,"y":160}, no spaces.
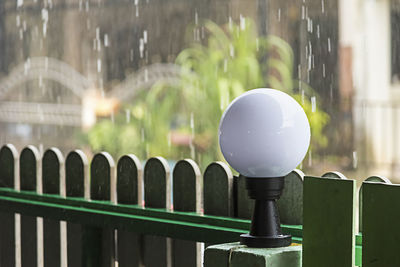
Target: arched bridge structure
{"x":62,"y":73}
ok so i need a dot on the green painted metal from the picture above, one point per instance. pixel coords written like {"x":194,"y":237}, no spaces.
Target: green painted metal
{"x":273,"y":257}
{"x":8,"y":158}
{"x":329,"y":222}
{"x":290,"y":204}
{"x":102,"y":187}
{"x":372,"y":179}
{"x":129,"y":182}
{"x":381,"y":233}
{"x":157,"y":187}
{"x":76,"y":173}
{"x":148,"y":221}
{"x":157,"y":183}
{"x":129,"y":170}
{"x":188,"y":189}
{"x":30,"y":179}
{"x":244,"y":205}
{"x":52,"y":171}
{"x":236,"y":255}
{"x":8,"y":168}
{"x":183,"y":225}
{"x":218,"y":190}
{"x":334,"y":174}
{"x":219,"y":255}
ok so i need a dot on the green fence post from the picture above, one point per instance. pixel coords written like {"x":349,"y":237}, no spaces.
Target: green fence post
{"x":329,"y":222}
{"x":381,"y":234}
{"x":9,"y":177}
{"x":157,"y":194}
{"x":102,"y":187}
{"x":53,"y":172}
{"x":31,"y":180}
{"x":187,"y":196}
{"x":76,"y":183}
{"x":129,"y":191}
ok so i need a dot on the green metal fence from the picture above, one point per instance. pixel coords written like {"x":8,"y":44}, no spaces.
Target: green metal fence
{"x":56,"y":212}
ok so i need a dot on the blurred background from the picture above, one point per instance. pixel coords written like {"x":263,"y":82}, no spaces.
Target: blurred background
{"x":153,"y":77}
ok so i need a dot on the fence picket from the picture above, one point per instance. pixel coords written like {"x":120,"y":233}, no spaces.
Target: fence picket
{"x":31,"y":234}
{"x":244,"y":204}
{"x":328,"y":222}
{"x":334,"y":174}
{"x":372,"y":179}
{"x":187,"y":196}
{"x":380,"y":236}
{"x":9,"y":177}
{"x":157,"y":194}
{"x":76,"y":183}
{"x":53,"y":177}
{"x":290,"y":204}
{"x":129,"y":191}
{"x":218,"y":190}
{"x":103,"y":187}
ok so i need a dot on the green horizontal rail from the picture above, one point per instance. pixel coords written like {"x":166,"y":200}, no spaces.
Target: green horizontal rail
{"x":180,"y":225}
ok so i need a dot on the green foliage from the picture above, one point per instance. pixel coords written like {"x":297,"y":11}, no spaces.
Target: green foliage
{"x":182,"y":121}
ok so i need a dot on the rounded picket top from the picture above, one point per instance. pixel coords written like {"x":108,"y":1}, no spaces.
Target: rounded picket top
{"x":129,"y":180}
{"x":378,"y":179}
{"x":187,"y":186}
{"x":52,"y":170}
{"x":290,"y":204}
{"x":30,"y":169}
{"x":218,"y":190}
{"x":157,"y":183}
{"x":371,"y":179}
{"x":102,"y":177}
{"x":77,"y":174}
{"x":334,"y":174}
{"x":8,"y":166}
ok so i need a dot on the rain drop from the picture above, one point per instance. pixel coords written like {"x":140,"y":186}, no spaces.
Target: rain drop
{"x":279,"y":14}
{"x":355,"y":160}
{"x":128,"y":115}
{"x":313,"y":104}
{"x":106,"y":43}
{"x":329,"y":44}
{"x":98,"y":65}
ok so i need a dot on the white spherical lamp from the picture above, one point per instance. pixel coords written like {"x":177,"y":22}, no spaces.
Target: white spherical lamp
{"x":264,"y":134}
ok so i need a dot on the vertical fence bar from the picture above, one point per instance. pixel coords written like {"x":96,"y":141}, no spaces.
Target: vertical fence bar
{"x":381,"y":234}
{"x":157,"y":194}
{"x":103,"y":187}
{"x":53,"y":171}
{"x":372,"y":179}
{"x":77,"y":185}
{"x":8,"y":174}
{"x":290,"y":204}
{"x":129,"y":191}
{"x":30,"y":176}
{"x":187,"y":196}
{"x":334,"y":174}
{"x":245,"y":205}
{"x":328,"y":222}
{"x":218,"y":190}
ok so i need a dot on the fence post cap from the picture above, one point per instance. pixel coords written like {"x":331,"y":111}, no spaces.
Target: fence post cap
{"x":234,"y":254}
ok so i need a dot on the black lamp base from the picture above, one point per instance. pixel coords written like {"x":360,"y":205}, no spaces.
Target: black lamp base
{"x":265,"y":231}
{"x":266,"y":241}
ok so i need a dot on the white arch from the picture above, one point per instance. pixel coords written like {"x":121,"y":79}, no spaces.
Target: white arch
{"x":45,"y":68}
{"x":145,"y":78}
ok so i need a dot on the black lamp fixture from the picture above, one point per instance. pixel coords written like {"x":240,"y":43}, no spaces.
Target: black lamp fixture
{"x":264,"y":134}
